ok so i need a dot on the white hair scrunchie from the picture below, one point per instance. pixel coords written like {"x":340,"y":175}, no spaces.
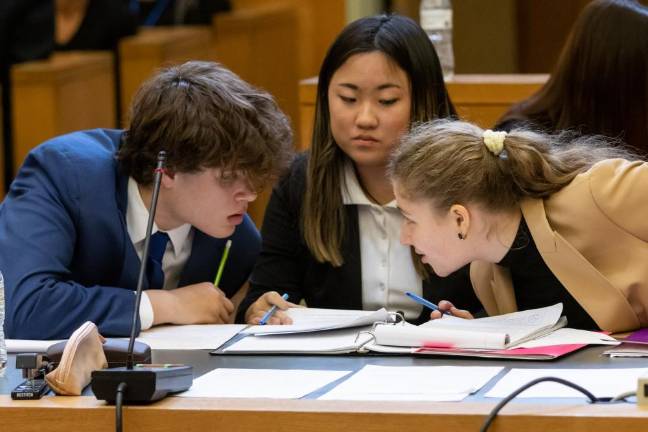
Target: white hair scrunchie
{"x":494,"y":141}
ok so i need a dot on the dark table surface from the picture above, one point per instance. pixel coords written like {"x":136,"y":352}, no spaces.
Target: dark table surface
{"x":203,"y":362}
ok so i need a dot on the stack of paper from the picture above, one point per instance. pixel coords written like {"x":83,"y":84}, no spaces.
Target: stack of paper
{"x":532,"y":335}
{"x":496,"y":332}
{"x":635,"y":345}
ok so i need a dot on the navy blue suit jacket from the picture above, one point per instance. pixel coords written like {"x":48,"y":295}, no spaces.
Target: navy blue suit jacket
{"x":64,"y":246}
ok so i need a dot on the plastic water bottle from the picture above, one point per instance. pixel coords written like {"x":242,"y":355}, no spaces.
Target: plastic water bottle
{"x":436,"y":20}
{"x":3,"y":347}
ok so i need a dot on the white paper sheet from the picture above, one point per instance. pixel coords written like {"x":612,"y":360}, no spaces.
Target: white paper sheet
{"x":27,"y":345}
{"x":314,"y":319}
{"x":168,"y":337}
{"x":600,"y":382}
{"x":261,"y":383}
{"x":413,"y":383}
{"x":333,"y":341}
{"x":189,"y":337}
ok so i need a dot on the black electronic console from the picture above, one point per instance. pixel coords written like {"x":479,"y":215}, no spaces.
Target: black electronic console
{"x":142,"y":383}
{"x":30,"y":389}
{"x":34,"y":367}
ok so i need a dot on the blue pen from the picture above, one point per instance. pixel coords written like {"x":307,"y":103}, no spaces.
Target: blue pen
{"x":426,"y":303}
{"x":271,"y":312}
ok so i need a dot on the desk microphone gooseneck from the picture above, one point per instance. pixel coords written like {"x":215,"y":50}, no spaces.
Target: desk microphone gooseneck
{"x":142,"y":383}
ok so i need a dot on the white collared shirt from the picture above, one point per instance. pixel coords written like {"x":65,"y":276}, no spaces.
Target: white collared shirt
{"x":175,"y":256}
{"x":387,"y":267}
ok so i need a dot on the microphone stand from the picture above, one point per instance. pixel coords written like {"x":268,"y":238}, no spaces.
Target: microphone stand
{"x":148,"y":382}
{"x":157,"y":181}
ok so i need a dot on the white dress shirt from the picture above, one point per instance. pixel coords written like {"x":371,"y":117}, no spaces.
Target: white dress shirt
{"x":387,"y":267}
{"x":175,"y":256}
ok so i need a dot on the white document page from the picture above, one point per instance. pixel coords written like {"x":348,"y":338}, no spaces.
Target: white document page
{"x":261,"y":383}
{"x":28,"y":345}
{"x":413,"y":383}
{"x":314,"y":319}
{"x":168,"y":337}
{"x":600,"y":382}
{"x":334,"y":341}
{"x":189,"y":337}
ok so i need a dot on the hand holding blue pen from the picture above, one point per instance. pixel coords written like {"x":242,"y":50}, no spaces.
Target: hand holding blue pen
{"x":271,"y":311}
{"x":426,"y":303}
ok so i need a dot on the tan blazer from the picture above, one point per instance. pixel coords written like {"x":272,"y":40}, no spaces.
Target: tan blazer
{"x":593,"y":235}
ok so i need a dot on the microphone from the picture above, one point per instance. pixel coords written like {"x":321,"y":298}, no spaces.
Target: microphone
{"x":142,"y":383}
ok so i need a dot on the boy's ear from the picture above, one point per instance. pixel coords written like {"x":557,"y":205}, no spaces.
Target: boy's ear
{"x":168,"y":179}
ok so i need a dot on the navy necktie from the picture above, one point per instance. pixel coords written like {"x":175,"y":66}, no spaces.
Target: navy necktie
{"x":154,"y":271}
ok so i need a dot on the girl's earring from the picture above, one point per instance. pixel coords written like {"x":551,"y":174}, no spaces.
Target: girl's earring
{"x":461,"y":236}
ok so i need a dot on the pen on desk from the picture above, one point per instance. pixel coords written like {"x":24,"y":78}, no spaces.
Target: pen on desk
{"x":221,"y":266}
{"x":271,"y":312}
{"x":426,"y":303}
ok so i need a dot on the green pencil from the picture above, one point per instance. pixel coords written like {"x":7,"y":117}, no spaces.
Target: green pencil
{"x":221,"y":266}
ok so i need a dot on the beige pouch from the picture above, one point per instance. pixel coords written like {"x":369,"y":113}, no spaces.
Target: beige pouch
{"x":83,"y":354}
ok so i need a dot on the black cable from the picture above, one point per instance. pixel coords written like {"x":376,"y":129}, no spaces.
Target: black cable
{"x":119,"y":397}
{"x":507,"y":399}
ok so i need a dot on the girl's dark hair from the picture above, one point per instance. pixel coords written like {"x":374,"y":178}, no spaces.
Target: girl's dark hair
{"x":204,"y":116}
{"x":404,"y":42}
{"x":600,"y":83}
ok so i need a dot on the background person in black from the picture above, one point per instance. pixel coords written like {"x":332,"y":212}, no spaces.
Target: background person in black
{"x":26,"y":33}
{"x":176,"y":12}
{"x":89,"y":25}
{"x":600,"y":83}
{"x":92,"y":24}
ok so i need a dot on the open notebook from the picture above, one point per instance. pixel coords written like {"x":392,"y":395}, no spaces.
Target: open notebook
{"x":496,"y":332}
{"x":534,"y":334}
{"x":313,"y":319}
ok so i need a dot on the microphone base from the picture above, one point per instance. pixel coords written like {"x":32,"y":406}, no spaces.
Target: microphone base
{"x":145,"y":383}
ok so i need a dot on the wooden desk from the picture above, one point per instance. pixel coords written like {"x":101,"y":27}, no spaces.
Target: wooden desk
{"x":178,"y":414}
{"x":478,"y":98}
{"x":309,"y":415}
{"x":68,"y":92}
{"x":152,"y":48}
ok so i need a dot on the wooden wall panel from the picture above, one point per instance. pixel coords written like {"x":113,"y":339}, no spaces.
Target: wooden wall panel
{"x":542,"y":29}
{"x":70,"y":91}
{"x":152,"y":48}
{"x":318,"y":23}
